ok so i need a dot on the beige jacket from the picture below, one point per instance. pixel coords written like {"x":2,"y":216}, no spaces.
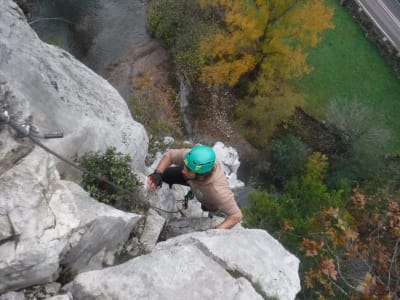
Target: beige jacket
{"x":214,"y":192}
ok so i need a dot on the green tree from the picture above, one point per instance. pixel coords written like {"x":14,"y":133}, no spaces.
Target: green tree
{"x":180,"y":24}
{"x":289,"y":157}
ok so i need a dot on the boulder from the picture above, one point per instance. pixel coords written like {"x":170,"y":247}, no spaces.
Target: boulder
{"x":216,"y":264}
{"x":152,"y":229}
{"x":249,"y":253}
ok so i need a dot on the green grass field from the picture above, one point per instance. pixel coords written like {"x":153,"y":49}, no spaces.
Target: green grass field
{"x":347,"y":65}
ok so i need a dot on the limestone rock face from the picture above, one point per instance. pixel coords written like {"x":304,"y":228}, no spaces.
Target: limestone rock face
{"x":230,"y":161}
{"x":52,"y":222}
{"x":249,"y":253}
{"x":46,"y":221}
{"x":56,"y":92}
{"x":216,"y":264}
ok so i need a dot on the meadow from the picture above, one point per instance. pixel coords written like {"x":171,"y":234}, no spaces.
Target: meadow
{"x":347,"y":65}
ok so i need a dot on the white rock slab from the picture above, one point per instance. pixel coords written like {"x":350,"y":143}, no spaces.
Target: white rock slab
{"x":217,"y":264}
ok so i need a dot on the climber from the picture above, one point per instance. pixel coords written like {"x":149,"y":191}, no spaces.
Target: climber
{"x":199,"y":169}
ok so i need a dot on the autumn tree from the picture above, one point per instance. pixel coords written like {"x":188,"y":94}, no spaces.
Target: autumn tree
{"x":257,"y":116}
{"x":262,"y":44}
{"x":256,"y":45}
{"x":228,"y":39}
{"x":268,"y":39}
{"x":295,"y":216}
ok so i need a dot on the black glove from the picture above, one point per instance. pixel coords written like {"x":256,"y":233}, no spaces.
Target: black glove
{"x":156,"y":178}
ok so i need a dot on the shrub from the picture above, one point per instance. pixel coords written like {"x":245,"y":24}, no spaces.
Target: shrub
{"x":348,"y":244}
{"x":366,"y":138}
{"x":297,"y":218}
{"x":114,"y":167}
{"x":289,"y":157}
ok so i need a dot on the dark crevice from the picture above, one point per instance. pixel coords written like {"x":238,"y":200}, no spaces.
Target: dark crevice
{"x":14,"y":237}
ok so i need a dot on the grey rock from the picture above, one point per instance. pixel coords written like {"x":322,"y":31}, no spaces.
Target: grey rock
{"x":52,"y":287}
{"x":67,"y":296}
{"x":44,"y":220}
{"x":230,"y":161}
{"x":54,"y":221}
{"x":12,"y":296}
{"x":252,"y":254}
{"x":216,"y":264}
{"x":181,"y":226}
{"x":59,"y":93}
{"x":5,"y":226}
{"x":177,"y":273}
{"x":152,"y":229}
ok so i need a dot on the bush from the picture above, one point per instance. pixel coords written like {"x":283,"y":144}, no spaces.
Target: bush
{"x":289,"y":157}
{"x":366,"y":138}
{"x":348,"y":244}
{"x":113,"y":167}
{"x":297,"y":218}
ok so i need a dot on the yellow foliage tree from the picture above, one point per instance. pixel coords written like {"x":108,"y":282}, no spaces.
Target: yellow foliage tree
{"x":257,"y":117}
{"x":265,"y":38}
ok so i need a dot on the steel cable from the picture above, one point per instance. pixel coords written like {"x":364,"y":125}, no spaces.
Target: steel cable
{"x":25,"y":131}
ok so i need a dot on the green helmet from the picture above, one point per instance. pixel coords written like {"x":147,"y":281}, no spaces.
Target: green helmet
{"x":200,"y":159}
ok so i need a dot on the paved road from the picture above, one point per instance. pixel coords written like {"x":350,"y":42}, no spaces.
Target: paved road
{"x":386,"y":15}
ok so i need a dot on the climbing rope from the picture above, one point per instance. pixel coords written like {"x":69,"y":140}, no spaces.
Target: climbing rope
{"x":26,"y":131}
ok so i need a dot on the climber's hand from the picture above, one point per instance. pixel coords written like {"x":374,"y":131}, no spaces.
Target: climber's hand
{"x":155,"y":180}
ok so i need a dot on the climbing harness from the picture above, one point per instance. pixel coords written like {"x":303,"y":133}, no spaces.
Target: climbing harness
{"x":33,"y":135}
{"x":190,"y":195}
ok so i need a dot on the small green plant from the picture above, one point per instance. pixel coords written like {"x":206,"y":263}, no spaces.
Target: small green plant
{"x":113,"y":167}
